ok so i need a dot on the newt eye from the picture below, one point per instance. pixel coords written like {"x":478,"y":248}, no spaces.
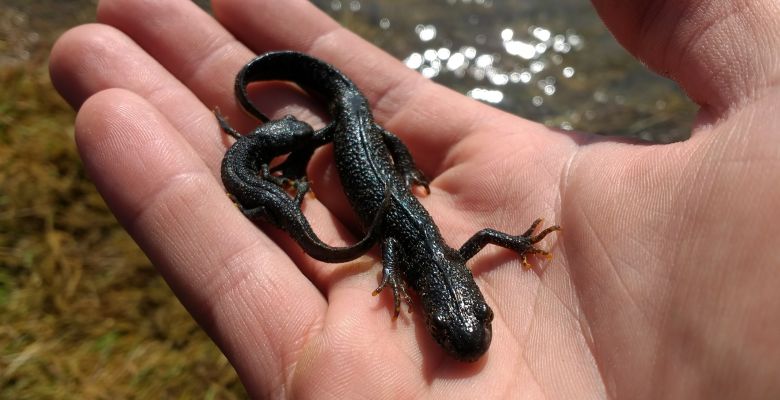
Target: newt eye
{"x":438,"y":323}
{"x":484,"y":313}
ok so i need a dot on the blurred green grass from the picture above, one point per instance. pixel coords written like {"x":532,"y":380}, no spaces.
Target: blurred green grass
{"x":83,"y":314}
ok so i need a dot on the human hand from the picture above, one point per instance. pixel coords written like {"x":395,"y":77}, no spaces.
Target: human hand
{"x":663,"y":281}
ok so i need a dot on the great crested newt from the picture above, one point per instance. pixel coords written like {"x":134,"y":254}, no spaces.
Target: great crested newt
{"x":377,"y":173}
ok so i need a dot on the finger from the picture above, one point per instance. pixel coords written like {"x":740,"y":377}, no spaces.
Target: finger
{"x":91,"y":58}
{"x":712,"y":48}
{"x":187,"y":42}
{"x":197,"y":51}
{"x":240,"y":287}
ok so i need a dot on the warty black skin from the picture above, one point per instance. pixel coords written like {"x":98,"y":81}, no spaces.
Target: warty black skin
{"x":262,"y":196}
{"x":377,"y":173}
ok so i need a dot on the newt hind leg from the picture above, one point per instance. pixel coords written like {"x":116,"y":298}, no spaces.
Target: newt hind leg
{"x":391,"y":275}
{"x":522,"y":244}
{"x":286,"y":135}
{"x":403,"y":161}
{"x":226,"y":126}
{"x":294,"y":166}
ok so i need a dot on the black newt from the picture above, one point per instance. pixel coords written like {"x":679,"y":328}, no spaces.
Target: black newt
{"x":378,"y":173}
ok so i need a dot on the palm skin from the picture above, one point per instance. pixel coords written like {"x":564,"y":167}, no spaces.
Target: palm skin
{"x":663,"y":280}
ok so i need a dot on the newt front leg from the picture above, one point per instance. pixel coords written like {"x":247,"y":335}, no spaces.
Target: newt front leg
{"x":521,"y":244}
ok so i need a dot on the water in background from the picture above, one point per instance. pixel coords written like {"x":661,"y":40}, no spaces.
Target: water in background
{"x":551,"y":61}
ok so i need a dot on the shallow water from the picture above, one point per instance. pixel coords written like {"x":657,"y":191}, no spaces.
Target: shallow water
{"x":551,"y":61}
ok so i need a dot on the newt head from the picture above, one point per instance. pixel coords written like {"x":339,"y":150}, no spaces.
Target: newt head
{"x":456,"y":313}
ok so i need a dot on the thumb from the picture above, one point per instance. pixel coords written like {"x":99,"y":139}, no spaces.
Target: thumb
{"x":720,"y":52}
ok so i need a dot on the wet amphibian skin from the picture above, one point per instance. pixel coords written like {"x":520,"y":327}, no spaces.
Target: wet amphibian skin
{"x":377,"y":173}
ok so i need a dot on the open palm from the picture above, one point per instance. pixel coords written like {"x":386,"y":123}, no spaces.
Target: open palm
{"x":663,"y":280}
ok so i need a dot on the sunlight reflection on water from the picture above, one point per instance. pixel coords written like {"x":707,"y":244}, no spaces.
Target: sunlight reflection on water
{"x":550,"y":61}
{"x":527,"y":57}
